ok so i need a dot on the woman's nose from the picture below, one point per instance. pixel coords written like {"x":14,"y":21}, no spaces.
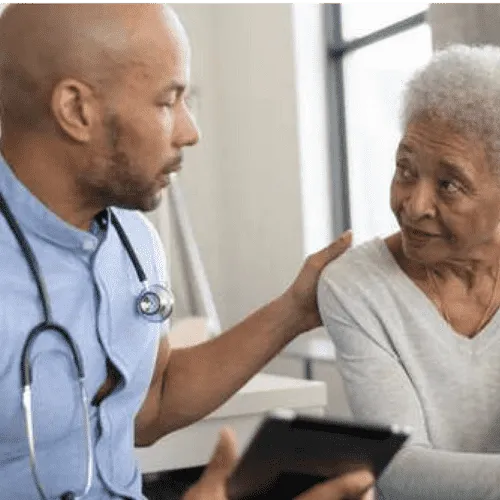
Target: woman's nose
{"x":420,"y":202}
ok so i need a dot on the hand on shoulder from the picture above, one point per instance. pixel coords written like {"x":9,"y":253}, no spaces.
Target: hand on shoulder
{"x":300,"y":297}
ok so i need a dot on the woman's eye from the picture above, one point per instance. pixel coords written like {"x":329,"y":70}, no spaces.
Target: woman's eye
{"x":403,"y":172}
{"x":450,"y":187}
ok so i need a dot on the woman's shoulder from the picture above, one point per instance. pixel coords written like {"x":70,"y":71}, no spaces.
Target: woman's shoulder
{"x":360,"y":264}
{"x":359,"y":288}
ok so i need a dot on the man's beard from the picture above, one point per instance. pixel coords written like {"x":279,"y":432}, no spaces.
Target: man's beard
{"x":117,"y":181}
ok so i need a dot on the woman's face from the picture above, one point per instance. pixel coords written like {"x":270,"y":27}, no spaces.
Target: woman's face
{"x":443,"y":194}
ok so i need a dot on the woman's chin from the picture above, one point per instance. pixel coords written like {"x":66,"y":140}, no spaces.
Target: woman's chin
{"x":421,"y":251}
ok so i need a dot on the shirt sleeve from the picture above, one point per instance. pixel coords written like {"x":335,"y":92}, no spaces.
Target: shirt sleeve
{"x":379,"y":390}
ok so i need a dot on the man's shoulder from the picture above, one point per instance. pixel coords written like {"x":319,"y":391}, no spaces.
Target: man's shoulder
{"x":144,"y":238}
{"x":133,"y":218}
{"x":140,"y":231}
{"x":137,"y":226}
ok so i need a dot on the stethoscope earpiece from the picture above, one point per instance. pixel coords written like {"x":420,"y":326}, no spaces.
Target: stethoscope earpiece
{"x":155,"y":302}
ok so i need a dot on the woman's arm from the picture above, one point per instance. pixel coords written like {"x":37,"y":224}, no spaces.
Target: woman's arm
{"x":419,"y":473}
{"x":379,"y":389}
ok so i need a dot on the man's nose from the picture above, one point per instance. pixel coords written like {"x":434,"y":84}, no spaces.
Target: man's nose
{"x":187,"y":132}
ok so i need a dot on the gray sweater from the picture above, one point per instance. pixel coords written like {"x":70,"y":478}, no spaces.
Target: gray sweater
{"x":403,"y":363}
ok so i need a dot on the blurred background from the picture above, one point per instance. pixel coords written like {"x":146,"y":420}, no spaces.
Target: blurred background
{"x":298,"y":107}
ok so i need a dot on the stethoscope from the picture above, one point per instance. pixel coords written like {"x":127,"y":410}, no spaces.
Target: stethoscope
{"x":155,"y":303}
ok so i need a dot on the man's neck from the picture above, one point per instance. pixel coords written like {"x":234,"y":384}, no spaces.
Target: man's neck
{"x":47,"y":174}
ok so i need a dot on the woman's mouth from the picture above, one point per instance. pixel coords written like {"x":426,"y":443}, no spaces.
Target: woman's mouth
{"x":420,"y":231}
{"x":417,"y":235}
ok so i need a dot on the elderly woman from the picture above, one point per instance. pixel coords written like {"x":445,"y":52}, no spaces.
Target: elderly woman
{"x":414,"y":317}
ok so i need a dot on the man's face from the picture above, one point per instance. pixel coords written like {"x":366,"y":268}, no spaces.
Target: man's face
{"x":145,"y":124}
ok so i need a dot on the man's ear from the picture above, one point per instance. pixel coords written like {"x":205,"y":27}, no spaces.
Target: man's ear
{"x":74,"y":107}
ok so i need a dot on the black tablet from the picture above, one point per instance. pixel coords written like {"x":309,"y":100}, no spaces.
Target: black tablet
{"x":290,"y":453}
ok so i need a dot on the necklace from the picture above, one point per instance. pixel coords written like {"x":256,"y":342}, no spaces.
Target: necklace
{"x":444,"y":311}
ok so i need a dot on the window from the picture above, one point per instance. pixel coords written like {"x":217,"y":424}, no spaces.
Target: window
{"x":372,"y":51}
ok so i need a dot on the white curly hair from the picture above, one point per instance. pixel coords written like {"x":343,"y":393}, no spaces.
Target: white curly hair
{"x":461,"y":86}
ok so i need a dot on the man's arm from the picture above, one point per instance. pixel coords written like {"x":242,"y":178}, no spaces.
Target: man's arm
{"x":191,"y":382}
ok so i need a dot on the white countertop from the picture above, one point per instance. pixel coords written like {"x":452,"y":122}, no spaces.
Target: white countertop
{"x":315,"y":346}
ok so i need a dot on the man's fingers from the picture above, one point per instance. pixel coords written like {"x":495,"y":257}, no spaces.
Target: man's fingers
{"x":338,"y":247}
{"x":224,"y":457}
{"x":212,"y":483}
{"x":369,"y":495}
{"x":320,"y":259}
{"x":348,"y":487}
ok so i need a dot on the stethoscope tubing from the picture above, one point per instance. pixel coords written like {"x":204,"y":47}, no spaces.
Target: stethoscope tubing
{"x":47,"y":324}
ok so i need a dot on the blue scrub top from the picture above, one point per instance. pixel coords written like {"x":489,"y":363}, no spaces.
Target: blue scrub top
{"x":92,"y":286}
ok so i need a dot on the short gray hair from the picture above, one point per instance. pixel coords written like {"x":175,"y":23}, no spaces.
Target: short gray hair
{"x":460,"y":85}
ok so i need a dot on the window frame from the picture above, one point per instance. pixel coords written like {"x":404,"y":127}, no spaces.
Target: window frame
{"x":336,"y":49}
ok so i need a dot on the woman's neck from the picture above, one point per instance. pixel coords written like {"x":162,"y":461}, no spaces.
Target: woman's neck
{"x":481,"y":262}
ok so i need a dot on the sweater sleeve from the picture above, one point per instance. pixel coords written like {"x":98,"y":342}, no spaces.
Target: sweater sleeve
{"x":380,"y":390}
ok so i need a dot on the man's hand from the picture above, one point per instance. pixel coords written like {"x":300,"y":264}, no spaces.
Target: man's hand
{"x":212,"y":484}
{"x":300,"y":297}
{"x":352,"y":486}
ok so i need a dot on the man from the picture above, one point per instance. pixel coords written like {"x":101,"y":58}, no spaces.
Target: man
{"x":94,"y":116}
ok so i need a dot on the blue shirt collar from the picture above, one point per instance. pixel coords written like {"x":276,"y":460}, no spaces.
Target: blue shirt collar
{"x":33,"y":216}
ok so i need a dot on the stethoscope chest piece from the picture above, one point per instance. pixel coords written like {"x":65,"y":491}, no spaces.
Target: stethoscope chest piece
{"x":155,"y":302}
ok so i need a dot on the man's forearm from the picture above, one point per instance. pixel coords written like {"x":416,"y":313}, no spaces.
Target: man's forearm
{"x":189,"y":383}
{"x":200,"y":378}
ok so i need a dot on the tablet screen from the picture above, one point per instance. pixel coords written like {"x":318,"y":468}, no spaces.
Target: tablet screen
{"x":289,"y":454}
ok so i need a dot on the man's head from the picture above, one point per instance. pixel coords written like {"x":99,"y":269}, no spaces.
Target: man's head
{"x":105,"y":84}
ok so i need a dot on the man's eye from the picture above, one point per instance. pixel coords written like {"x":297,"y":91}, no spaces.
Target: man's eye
{"x":190,"y":100}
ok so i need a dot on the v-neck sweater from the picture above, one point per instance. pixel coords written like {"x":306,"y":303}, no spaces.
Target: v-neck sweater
{"x":402,"y":363}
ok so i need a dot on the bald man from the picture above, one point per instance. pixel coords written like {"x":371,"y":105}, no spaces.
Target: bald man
{"x":94,"y":118}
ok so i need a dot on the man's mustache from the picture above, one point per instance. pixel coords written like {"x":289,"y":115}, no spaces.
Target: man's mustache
{"x":175,"y":162}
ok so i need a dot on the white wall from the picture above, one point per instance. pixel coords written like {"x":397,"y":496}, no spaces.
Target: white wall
{"x":312,"y":125}
{"x":242,"y":182}
{"x":470,"y":23}
{"x":256,"y":187}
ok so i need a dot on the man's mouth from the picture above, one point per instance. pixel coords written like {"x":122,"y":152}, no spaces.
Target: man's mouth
{"x":173,"y":168}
